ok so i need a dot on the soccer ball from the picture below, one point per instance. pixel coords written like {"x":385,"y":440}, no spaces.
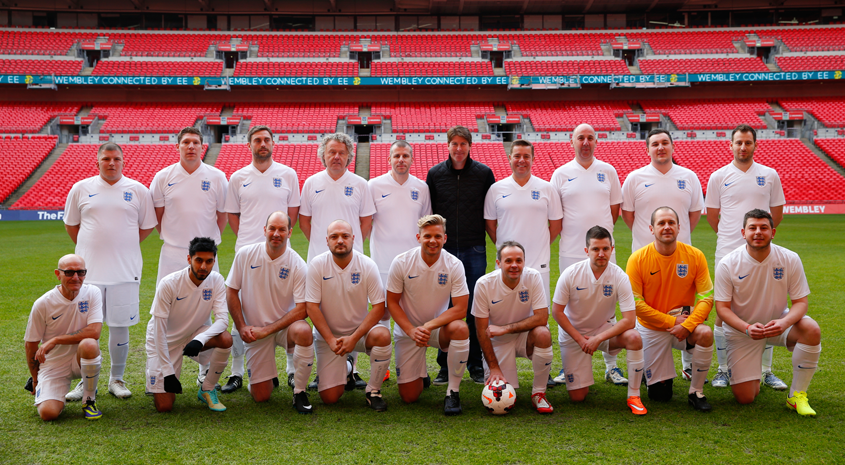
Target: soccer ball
{"x":498,"y":398}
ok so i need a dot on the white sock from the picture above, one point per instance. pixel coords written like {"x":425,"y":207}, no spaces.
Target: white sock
{"x":721,"y":348}
{"x":379,"y":363}
{"x":289,"y":364}
{"x":702,"y":357}
{"x":541,"y":362}
{"x":609,"y":361}
{"x":203,"y":368}
{"x":118,"y":351}
{"x":768,"y":354}
{"x":686,"y":359}
{"x":90,"y":370}
{"x":456,"y":361}
{"x":634,"y":358}
{"x":355,"y":362}
{"x":303,"y":360}
{"x":238,"y":351}
{"x":216,"y":367}
{"x":805,"y":360}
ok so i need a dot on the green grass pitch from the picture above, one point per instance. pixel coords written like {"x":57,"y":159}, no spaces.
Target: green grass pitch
{"x":602,"y":429}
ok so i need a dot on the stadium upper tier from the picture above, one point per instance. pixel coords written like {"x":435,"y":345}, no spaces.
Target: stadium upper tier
{"x":835,"y":148}
{"x":296,"y":117}
{"x":564,"y":116}
{"x":152,"y":117}
{"x":157,"y":68}
{"x":20,"y":157}
{"x":710,"y":114}
{"x":40,"y":42}
{"x":807,"y":40}
{"x":577,"y":44}
{"x":296,"y":68}
{"x":431,"y":68}
{"x":31,"y":117}
{"x":566,"y":67}
{"x":830,"y":111}
{"x":702,"y":65}
{"x":811,"y":62}
{"x":57,"y":67}
{"x":689,"y":42}
{"x":165,"y":44}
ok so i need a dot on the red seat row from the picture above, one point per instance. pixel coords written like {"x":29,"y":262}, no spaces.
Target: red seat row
{"x":565,"y":116}
{"x":417,"y":118}
{"x":36,"y":67}
{"x":710,"y":114}
{"x":296,"y":68}
{"x":811,"y":62}
{"x":31,"y":117}
{"x":158,"y":68}
{"x":305,"y":118}
{"x":301,"y":157}
{"x":702,"y":65}
{"x":152,"y":117}
{"x":565,"y":68}
{"x":431,"y":68}
{"x":20,"y":157}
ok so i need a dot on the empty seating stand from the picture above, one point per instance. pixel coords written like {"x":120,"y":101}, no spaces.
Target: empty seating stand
{"x":297,"y":68}
{"x":31,"y":117}
{"x":710,"y":114}
{"x":565,"y":116}
{"x":151,"y":118}
{"x":296,"y":118}
{"x":835,"y":148}
{"x":170,"y":44}
{"x":559,"y":44}
{"x":807,"y":39}
{"x":297,"y":45}
{"x":422,"y":117}
{"x":829,"y":110}
{"x":702,"y":65}
{"x":624,"y":156}
{"x":40,"y":43}
{"x":811,"y":62}
{"x":157,"y":68}
{"x":41,"y":67}
{"x":682,"y":42}
{"x":301,"y":157}
{"x":565,"y":67}
{"x":431,"y":68}
{"x":20,"y":157}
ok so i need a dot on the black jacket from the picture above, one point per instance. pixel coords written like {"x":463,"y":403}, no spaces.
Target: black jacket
{"x":458,"y":196}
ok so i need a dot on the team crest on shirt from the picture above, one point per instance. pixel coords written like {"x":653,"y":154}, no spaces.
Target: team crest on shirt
{"x":682,"y":184}
{"x":348,"y":191}
{"x":777,"y":272}
{"x":761,"y":181}
{"x":442,"y":278}
{"x":523,"y":296}
{"x":607,"y":290}
{"x":356,"y":278}
{"x":83,"y":306}
{"x":206,"y":294}
{"x":415,"y":195}
{"x":152,"y":380}
{"x":205,"y":185}
{"x":277,"y":182}
{"x":535,"y":195}
{"x":682,"y":270}
{"x":284,"y":272}
{"x":600,"y":177}
{"x":127,"y":196}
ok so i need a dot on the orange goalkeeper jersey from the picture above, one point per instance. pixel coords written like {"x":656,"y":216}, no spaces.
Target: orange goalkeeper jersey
{"x":662,"y":283}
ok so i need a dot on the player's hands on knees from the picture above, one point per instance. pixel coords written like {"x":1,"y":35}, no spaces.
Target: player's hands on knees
{"x":421,"y":335}
{"x":248,"y":334}
{"x":493,"y":331}
{"x":172,"y":384}
{"x":757,"y":331}
{"x":774,"y":328}
{"x":41,"y":354}
{"x":679,"y":332}
{"x":496,"y":375}
{"x":192,"y":349}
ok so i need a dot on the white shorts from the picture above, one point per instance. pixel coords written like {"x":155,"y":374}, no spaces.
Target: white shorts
{"x":172,"y":259}
{"x":154,"y":376}
{"x":261,"y":356}
{"x":745,"y":354}
{"x":331,"y":368}
{"x":410,"y":359}
{"x":507,"y":348}
{"x":577,"y":365}
{"x":657,"y":352}
{"x":54,"y":378}
{"x":120,"y":304}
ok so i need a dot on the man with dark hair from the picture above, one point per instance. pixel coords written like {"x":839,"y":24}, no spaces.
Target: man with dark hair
{"x":458,"y":187}
{"x":734,"y":189}
{"x":674,"y":296}
{"x":256,"y":191}
{"x":183,"y":302}
{"x":511,"y":317}
{"x":108,"y":216}
{"x":585,"y":308}
{"x":754,"y":285}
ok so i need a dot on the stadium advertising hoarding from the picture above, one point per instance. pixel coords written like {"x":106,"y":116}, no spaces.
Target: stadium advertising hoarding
{"x":419,"y":80}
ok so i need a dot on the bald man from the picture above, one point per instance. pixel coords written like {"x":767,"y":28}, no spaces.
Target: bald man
{"x":62,"y":341}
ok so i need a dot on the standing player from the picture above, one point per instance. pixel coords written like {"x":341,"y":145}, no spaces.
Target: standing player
{"x":674,"y":296}
{"x":584,"y":306}
{"x":270,"y":312}
{"x":512,"y":314}
{"x":733,"y":190}
{"x":458,"y":186}
{"x":181,"y":308}
{"x":753,"y":286}
{"x":340,"y":282}
{"x":62,"y":341}
{"x":107,"y":216}
{"x":590,"y":194}
{"x":422,"y":282}
{"x":256,"y":191}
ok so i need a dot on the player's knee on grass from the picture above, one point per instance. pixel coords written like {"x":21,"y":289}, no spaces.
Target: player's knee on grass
{"x":410,"y":392}
{"x":746,"y":392}
{"x":578,"y":395}
{"x":331,"y":395}
{"x":164,"y":402}
{"x":262,"y":391}
{"x":661,"y":391}
{"x":88,"y":348}
{"x":49,"y":410}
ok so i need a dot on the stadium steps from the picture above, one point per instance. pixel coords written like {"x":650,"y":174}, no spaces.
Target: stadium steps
{"x":475,"y":51}
{"x":636,"y":107}
{"x":773,"y":67}
{"x":776,"y":106}
{"x":507,"y":146}
{"x":212,"y":153}
{"x":482,"y":125}
{"x":517,"y":52}
{"x":606,"y":50}
{"x":227,"y":111}
{"x":35,"y":176}
{"x":365,"y":111}
{"x":623,"y":123}
{"x":527,"y":126}
{"x":85,"y":110}
{"x":363,"y":72}
{"x":362,"y":160}
{"x":87,"y":71}
{"x":500,"y":110}
{"x":386,"y":126}
{"x":341,"y":126}
{"x":740,"y":46}
{"x":499,"y":72}
{"x":823,"y":156}
{"x":634,"y":69}
{"x":211,"y":51}
{"x":116,"y":49}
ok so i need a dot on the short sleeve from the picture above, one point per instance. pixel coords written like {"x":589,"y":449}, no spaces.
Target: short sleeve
{"x":146,"y":213}
{"x":235,"y":278}
{"x":561,"y":295}
{"x":713,"y":200}
{"x":723,"y":289}
{"x":697,"y":201}
{"x":555,"y":209}
{"x":396,"y":277}
{"x":294,"y":199}
{"x":95,"y":305}
{"x":305,"y":203}
{"x":798,"y":286}
{"x":313,"y":284}
{"x":368,"y":207}
{"x":539,"y":301}
{"x":615,"y":188}
{"x":629,"y":193}
{"x":624,"y":294}
{"x":72,"y":216}
{"x":490,"y":205}
{"x":459,"y":280}
{"x":223,"y":189}
{"x":426,"y":203}
{"x":35,"y":326}
{"x":300,"y":279}
{"x":233,"y":200}
{"x":375,"y":291}
{"x":776,"y":198}
{"x":479,"y":301}
{"x":156,"y":190}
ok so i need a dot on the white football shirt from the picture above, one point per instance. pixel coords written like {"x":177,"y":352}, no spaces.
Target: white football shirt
{"x":269,"y":288}
{"x":425,"y":290}
{"x":110,"y":218}
{"x":759,"y":292}
{"x":343,"y":293}
{"x":326,"y":200}
{"x":53,"y":315}
{"x":736,"y":193}
{"x":190,"y":201}
{"x":502,"y":305}
{"x":523,"y":214}
{"x":647,"y":189}
{"x":585,"y":196}
{"x":398,"y":208}
{"x":186,"y":306}
{"x":590,"y":302}
{"x":255,"y":195}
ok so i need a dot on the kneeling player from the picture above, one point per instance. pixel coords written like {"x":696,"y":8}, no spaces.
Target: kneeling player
{"x":584,"y":304}
{"x":66,"y":322}
{"x":420,"y":284}
{"x":753,"y":286}
{"x":340,"y":282}
{"x":183,"y":302}
{"x":511,"y":318}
